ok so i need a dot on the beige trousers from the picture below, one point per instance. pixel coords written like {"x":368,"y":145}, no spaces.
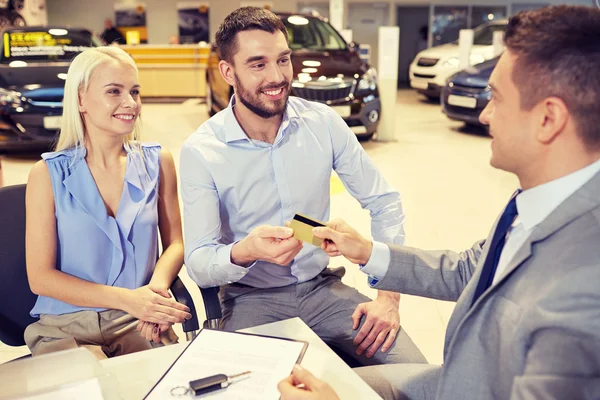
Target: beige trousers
{"x":108,"y":333}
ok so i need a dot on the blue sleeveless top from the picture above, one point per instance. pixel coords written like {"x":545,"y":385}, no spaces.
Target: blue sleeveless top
{"x":92,"y":245}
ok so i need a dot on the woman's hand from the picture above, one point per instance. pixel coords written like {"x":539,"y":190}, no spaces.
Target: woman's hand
{"x":152,"y":332}
{"x":149,"y":331}
{"x":149,"y":306}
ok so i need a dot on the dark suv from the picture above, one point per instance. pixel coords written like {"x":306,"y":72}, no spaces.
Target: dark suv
{"x":33,"y":68}
{"x":326,"y":69}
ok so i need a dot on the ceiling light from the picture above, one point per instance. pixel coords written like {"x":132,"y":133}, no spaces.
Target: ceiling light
{"x":297,"y":20}
{"x":58,"y":32}
{"x":309,"y":63}
{"x":17,"y":64}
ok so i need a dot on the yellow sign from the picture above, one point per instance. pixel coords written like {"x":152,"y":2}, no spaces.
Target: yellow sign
{"x":23,"y":44}
{"x":24,"y":39}
{"x":133,"y":37}
{"x":6,"y":46}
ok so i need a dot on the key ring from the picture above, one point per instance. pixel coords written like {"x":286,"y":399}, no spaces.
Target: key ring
{"x":179,"y":391}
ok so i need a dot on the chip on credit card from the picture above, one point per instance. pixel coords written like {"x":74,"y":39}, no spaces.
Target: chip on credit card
{"x":303,"y":226}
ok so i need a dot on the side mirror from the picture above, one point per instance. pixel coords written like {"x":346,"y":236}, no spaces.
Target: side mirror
{"x":353,"y":46}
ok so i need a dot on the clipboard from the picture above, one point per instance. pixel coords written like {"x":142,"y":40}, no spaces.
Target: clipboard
{"x":211,"y":352}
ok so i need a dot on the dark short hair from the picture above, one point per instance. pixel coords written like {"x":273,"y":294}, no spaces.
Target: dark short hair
{"x":245,"y":19}
{"x":557,"y":51}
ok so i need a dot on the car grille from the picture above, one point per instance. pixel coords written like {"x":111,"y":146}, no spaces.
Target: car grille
{"x":323,"y":94}
{"x":427,"y":62}
{"x":467,"y":89}
{"x":424,"y":76}
{"x":473,"y":113}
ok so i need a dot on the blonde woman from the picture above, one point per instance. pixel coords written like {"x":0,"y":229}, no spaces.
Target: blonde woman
{"x":94,"y":209}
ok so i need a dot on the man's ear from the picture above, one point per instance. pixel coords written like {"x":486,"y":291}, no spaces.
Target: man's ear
{"x":554,"y":118}
{"x":227,"y":72}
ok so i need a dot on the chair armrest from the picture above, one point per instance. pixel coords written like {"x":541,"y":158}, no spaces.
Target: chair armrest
{"x":182,"y":296}
{"x":212,"y":305}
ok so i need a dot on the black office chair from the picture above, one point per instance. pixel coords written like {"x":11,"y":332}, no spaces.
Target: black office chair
{"x":212,"y":307}
{"x":16,"y":298}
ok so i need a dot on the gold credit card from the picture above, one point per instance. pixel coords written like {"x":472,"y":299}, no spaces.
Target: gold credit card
{"x":303,"y":226}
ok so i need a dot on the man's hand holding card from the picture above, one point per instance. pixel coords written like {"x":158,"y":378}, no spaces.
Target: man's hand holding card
{"x":303,"y":229}
{"x":274,"y":244}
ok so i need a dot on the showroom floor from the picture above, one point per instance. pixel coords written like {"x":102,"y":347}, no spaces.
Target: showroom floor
{"x":450,"y":193}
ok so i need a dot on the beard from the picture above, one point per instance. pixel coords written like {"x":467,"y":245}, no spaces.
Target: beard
{"x":253,"y":102}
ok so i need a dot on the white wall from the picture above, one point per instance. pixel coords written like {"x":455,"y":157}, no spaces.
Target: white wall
{"x":161,"y":15}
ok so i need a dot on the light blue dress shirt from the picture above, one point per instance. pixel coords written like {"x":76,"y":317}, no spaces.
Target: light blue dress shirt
{"x":533,"y":206}
{"x":231,"y":184}
{"x":92,"y":245}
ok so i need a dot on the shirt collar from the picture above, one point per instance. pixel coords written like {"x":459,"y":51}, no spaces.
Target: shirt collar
{"x":535,"y":204}
{"x":233,"y":130}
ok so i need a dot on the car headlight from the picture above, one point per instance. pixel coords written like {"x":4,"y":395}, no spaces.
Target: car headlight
{"x":368,"y":80}
{"x":10,"y":98}
{"x":454,"y":62}
{"x":476,"y":59}
{"x":488,"y":93}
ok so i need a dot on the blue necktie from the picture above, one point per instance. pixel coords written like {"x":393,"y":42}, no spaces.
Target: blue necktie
{"x":491,"y":262}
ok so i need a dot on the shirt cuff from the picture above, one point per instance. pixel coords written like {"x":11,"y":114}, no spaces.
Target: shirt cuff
{"x":233,"y":271}
{"x":379,"y":261}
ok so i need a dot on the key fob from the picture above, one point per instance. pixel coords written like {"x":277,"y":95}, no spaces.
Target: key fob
{"x":209,"y":384}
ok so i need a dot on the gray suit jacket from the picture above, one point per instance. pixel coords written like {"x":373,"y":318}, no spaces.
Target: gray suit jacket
{"x":536,"y":333}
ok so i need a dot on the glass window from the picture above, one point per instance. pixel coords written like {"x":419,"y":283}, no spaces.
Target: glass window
{"x":447,"y":23}
{"x":526,"y":7}
{"x":482,"y":14}
{"x":312,"y":33}
{"x":484,"y":35}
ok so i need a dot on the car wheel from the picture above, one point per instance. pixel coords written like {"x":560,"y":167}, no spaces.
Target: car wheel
{"x":433,"y":99}
{"x":364,"y":138}
{"x":209,"y":99}
{"x":4,"y":22}
{"x":18,"y":4}
{"x":18,"y":21}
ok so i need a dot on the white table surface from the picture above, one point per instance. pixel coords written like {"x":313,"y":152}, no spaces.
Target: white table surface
{"x":137,"y":373}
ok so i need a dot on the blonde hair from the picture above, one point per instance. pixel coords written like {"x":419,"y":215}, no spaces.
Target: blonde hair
{"x":72,"y":129}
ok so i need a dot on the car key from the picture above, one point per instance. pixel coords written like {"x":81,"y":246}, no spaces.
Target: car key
{"x":206,"y":385}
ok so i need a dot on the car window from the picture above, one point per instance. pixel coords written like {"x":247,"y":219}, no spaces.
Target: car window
{"x":485,"y":35}
{"x":45,"y":46}
{"x":312,"y":33}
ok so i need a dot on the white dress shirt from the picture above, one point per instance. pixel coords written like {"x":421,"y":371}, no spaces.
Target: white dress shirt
{"x":231,"y":184}
{"x":533,"y":206}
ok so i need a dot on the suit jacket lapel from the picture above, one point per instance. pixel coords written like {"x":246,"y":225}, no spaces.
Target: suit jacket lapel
{"x":579,"y":203}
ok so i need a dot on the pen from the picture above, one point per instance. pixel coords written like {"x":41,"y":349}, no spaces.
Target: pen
{"x":214,"y":382}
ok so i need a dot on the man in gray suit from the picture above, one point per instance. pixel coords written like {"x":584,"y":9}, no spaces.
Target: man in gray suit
{"x":527,"y":317}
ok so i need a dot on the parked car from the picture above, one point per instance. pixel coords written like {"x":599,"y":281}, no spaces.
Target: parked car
{"x":432,"y":67}
{"x":466,"y":93}
{"x":33,"y":69}
{"x":326,"y":69}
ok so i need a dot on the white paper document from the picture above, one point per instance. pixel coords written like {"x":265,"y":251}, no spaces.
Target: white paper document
{"x":216,"y":352}
{"x":88,"y":389}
